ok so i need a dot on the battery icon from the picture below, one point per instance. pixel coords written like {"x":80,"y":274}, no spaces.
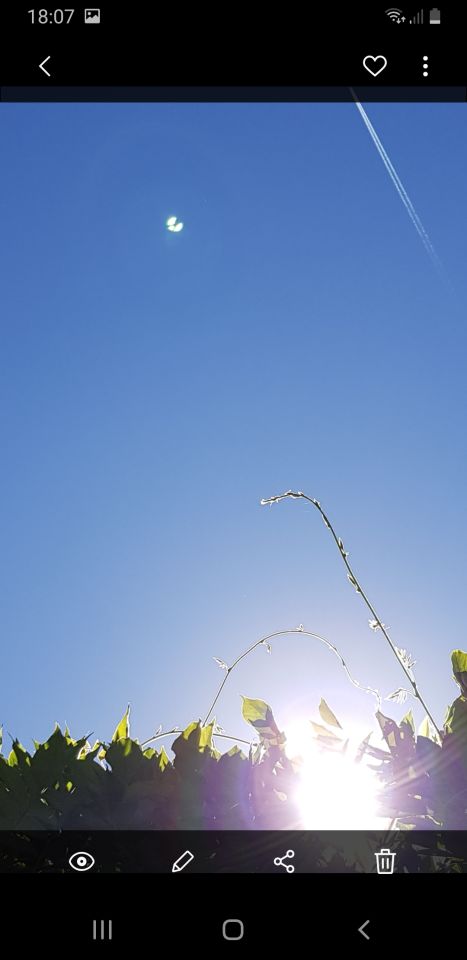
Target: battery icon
{"x":435,"y":15}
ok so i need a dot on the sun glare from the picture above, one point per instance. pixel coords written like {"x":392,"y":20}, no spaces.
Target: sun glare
{"x":335,"y":793}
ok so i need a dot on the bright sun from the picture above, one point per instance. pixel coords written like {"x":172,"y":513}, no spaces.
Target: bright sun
{"x":334,"y":793}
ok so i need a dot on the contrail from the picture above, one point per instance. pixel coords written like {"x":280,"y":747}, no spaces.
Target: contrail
{"x":400,"y":189}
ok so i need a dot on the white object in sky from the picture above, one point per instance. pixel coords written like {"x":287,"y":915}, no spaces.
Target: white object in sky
{"x":400,"y":188}
{"x":174,"y":225}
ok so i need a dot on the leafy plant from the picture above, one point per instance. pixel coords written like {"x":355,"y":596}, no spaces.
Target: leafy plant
{"x":68,"y":784}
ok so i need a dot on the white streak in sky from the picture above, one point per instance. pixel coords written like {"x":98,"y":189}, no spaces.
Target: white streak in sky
{"x":400,"y":189}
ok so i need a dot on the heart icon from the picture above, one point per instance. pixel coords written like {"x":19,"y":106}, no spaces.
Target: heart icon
{"x":375,"y":65}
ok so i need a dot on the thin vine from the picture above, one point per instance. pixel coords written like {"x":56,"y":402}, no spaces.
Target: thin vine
{"x":402,"y":657}
{"x":264,"y":641}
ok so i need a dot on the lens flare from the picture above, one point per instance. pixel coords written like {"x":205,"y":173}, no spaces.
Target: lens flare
{"x":334,"y":792}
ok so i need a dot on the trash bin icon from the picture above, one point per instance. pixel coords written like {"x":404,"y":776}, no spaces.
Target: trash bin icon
{"x":385,"y":861}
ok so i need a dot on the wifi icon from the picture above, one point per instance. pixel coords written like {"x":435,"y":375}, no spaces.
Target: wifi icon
{"x":394,"y":14}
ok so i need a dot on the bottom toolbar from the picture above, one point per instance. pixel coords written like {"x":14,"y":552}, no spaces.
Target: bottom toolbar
{"x":284,"y":853}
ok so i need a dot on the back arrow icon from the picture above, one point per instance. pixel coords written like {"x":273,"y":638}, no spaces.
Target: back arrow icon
{"x":41,"y":66}
{"x":362,"y":929}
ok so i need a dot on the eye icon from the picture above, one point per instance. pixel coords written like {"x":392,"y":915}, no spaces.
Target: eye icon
{"x":81,"y":861}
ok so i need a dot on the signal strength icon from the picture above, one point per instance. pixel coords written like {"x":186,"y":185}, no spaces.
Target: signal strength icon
{"x":394,"y":14}
{"x":418,"y":18}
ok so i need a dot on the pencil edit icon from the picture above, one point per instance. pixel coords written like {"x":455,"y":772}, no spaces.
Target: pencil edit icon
{"x":182,"y":861}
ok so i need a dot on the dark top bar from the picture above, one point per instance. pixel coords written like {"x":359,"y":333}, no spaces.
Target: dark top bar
{"x":138,"y":54}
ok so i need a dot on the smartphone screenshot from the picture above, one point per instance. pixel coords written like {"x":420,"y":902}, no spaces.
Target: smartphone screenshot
{"x":233,"y":676}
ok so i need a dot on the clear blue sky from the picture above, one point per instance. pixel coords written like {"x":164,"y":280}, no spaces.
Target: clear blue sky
{"x":155,"y":386}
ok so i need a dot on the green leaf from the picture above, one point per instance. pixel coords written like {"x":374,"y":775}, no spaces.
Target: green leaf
{"x":68,"y":736}
{"x":459,"y":661}
{"x":427,"y":730}
{"x":122,"y":732}
{"x":459,"y":669}
{"x":325,"y":734}
{"x":86,"y":748}
{"x":52,"y":759}
{"x":195,"y":758}
{"x":408,"y":722}
{"x":455,"y":728}
{"x":162,"y":759}
{"x":255,"y":711}
{"x":195,"y":739}
{"x":202,"y":735}
{"x":456,"y":717}
{"x":390,"y":731}
{"x":19,"y":756}
{"x":127,"y":760}
{"x":327,"y":715}
{"x":235,"y":751}
{"x":259,"y":715}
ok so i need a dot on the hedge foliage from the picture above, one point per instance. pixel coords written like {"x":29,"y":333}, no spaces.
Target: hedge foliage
{"x":67,"y":784}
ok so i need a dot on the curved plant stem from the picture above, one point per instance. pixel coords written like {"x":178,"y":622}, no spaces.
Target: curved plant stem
{"x":355,"y":583}
{"x":282,"y":633}
{"x":170,"y":733}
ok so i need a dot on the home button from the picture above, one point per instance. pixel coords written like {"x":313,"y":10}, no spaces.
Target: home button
{"x":233,"y":930}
